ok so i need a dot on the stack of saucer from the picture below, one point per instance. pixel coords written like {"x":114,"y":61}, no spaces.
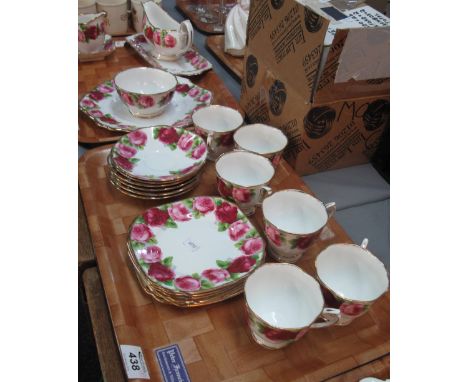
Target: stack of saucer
{"x":157,"y":162}
{"x":195,"y":251}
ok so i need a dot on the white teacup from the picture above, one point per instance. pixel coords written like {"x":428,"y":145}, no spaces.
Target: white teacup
{"x":91,"y":33}
{"x":117,"y":16}
{"x":243,"y":176}
{"x":217,"y":125}
{"x":262,"y":139}
{"x":86,"y":6}
{"x":352,"y":279}
{"x":293,"y":220}
{"x":168,"y":38}
{"x":283,"y":303}
{"x":145,"y":91}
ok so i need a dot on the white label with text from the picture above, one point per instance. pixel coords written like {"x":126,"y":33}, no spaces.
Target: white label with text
{"x":134,"y":362}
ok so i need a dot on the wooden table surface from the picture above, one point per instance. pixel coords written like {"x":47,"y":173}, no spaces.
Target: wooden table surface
{"x":91,"y":74}
{"x":215,"y":340}
{"x":233,"y":63}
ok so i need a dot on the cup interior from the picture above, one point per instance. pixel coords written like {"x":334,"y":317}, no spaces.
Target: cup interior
{"x":295,"y":212}
{"x":244,"y":169}
{"x":159,"y":18}
{"x":352,"y":272}
{"x":145,"y":81}
{"x":260,"y":138}
{"x":284,"y":296}
{"x":216,"y":118}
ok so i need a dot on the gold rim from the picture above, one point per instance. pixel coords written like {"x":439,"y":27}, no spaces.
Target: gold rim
{"x":238,"y":185}
{"x":154,"y":187}
{"x":157,"y":191}
{"x":293,"y":233}
{"x":145,"y":183}
{"x":148,"y":196}
{"x":256,"y":152}
{"x":339,"y":297}
{"x":279,"y":327}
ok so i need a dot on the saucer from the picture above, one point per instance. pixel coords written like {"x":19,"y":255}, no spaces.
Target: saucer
{"x":104,"y":106}
{"x":191,"y":63}
{"x":107,"y":49}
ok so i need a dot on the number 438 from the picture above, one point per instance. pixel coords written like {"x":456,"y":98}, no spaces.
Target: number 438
{"x":134,"y":361}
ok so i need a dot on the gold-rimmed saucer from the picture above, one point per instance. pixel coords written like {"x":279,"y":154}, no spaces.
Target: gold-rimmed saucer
{"x":150,"y":195}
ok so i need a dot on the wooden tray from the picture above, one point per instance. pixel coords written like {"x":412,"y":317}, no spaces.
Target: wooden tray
{"x":214,"y":340}
{"x":233,"y":63}
{"x":91,"y":74}
{"x":183,"y":6}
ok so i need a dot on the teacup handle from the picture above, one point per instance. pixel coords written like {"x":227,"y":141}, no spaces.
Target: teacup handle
{"x":266,"y":191}
{"x":330,"y":316}
{"x":187,"y":25}
{"x":331,"y":209}
{"x":209,"y":138}
{"x":364,"y":243}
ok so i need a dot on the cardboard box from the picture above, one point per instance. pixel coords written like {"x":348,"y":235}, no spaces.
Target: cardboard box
{"x":281,"y":64}
{"x":323,"y":55}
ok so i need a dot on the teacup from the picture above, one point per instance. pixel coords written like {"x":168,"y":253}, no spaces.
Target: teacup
{"x":293,"y":220}
{"x":91,"y":32}
{"x":283,"y":302}
{"x":86,"y":6}
{"x":169,"y":38}
{"x":217,"y":124}
{"x":145,"y":91}
{"x":137,"y":13}
{"x":243,"y":176}
{"x":352,"y":278}
{"x":117,"y":16}
{"x":262,"y":139}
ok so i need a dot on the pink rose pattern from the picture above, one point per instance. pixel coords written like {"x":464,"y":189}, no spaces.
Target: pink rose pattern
{"x":241,"y":195}
{"x":137,"y":138}
{"x":179,"y":212}
{"x":287,"y":241}
{"x":89,"y":32}
{"x":160,"y":37}
{"x":237,"y":230}
{"x":90,"y":103}
{"x":151,"y":257}
{"x":215,"y":275}
{"x":203,"y":204}
{"x":273,"y":234}
{"x":151,"y":254}
{"x":187,"y":283}
{"x":140,"y":101}
{"x":185,"y":142}
{"x":125,"y":151}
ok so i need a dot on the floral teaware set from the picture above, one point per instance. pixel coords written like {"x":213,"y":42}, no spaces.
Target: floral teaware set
{"x":204,"y":249}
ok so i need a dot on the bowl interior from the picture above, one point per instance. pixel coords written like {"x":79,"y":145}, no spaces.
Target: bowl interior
{"x":284,"y":296}
{"x":145,"y":81}
{"x":262,"y":139}
{"x":352,"y":272}
{"x":244,"y":168}
{"x":220,"y":119}
{"x":295,"y":212}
